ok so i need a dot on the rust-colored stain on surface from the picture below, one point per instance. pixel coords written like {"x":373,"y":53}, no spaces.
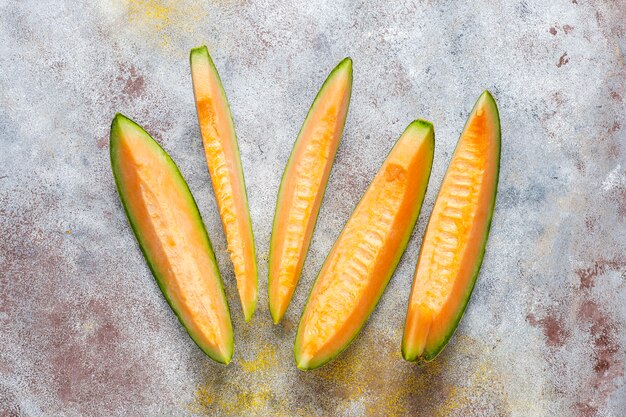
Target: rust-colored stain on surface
{"x":562,"y":60}
{"x":552,"y":327}
{"x":84,"y":328}
{"x":132,"y":80}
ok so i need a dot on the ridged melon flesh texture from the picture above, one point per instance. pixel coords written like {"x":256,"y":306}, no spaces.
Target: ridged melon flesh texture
{"x":222,"y":155}
{"x":366,"y":253}
{"x":456,"y":235}
{"x":171,"y":234}
{"x":303,"y":184}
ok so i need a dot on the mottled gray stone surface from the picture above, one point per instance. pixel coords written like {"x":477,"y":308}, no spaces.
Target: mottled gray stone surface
{"x":84,"y":330}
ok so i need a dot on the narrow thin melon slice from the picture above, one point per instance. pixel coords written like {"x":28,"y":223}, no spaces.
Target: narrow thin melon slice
{"x":303,"y":185}
{"x":455,"y":239}
{"x":367,"y":252}
{"x":172,"y":236}
{"x":222,"y":156}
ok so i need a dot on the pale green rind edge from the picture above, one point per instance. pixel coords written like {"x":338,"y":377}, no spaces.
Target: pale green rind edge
{"x":344,"y":65}
{"x":430,"y":355}
{"x":429,"y":135}
{"x":202,"y":52}
{"x":114,"y":139}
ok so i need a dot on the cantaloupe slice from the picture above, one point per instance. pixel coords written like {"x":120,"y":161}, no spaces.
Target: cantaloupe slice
{"x":303,"y":185}
{"x":172,"y":237}
{"x":366,"y":253}
{"x":222,"y":155}
{"x":454,"y":243}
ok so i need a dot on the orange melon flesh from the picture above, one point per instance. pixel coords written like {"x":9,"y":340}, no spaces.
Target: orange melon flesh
{"x":366,"y":253}
{"x":171,"y":234}
{"x":224,"y":163}
{"x":456,"y":235}
{"x":303,"y":185}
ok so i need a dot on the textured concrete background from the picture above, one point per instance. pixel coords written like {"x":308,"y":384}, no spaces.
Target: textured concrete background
{"x":84,"y":330}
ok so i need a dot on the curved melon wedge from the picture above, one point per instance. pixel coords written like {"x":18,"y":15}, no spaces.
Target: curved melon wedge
{"x":172,"y":237}
{"x":303,"y":185}
{"x":366,"y":253}
{"x":455,"y":239}
{"x":222,"y":156}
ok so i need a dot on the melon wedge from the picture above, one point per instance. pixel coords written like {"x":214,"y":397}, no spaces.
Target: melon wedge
{"x":303,"y":185}
{"x":222,"y":156}
{"x":366,"y":253}
{"x":172,"y":237}
{"x":454,"y":242}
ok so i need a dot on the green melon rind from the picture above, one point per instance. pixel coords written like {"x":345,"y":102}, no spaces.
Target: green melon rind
{"x":344,"y":65}
{"x":118,"y":123}
{"x":202,"y":52}
{"x":429,"y":134}
{"x":429,"y":355}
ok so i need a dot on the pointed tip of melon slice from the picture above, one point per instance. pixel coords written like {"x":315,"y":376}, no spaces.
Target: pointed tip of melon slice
{"x":486,"y":99}
{"x":486,"y":104}
{"x":224,"y":356}
{"x":417,"y":330}
{"x":119,"y":120}
{"x":199,"y":50}
{"x":248,"y":310}
{"x":487,"y":95}
{"x":342,"y":73}
{"x":278,"y":308}
{"x":345,"y":65}
{"x":228,"y":356}
{"x":303,"y":361}
{"x":200,"y":56}
{"x":277,"y":314}
{"x":223,"y":352}
{"x":122,"y":122}
{"x":422,"y":129}
{"x":421,"y":124}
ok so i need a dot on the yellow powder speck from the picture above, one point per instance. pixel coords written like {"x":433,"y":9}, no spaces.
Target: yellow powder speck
{"x":265,"y":360}
{"x":169,"y":23}
{"x":204,"y":396}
